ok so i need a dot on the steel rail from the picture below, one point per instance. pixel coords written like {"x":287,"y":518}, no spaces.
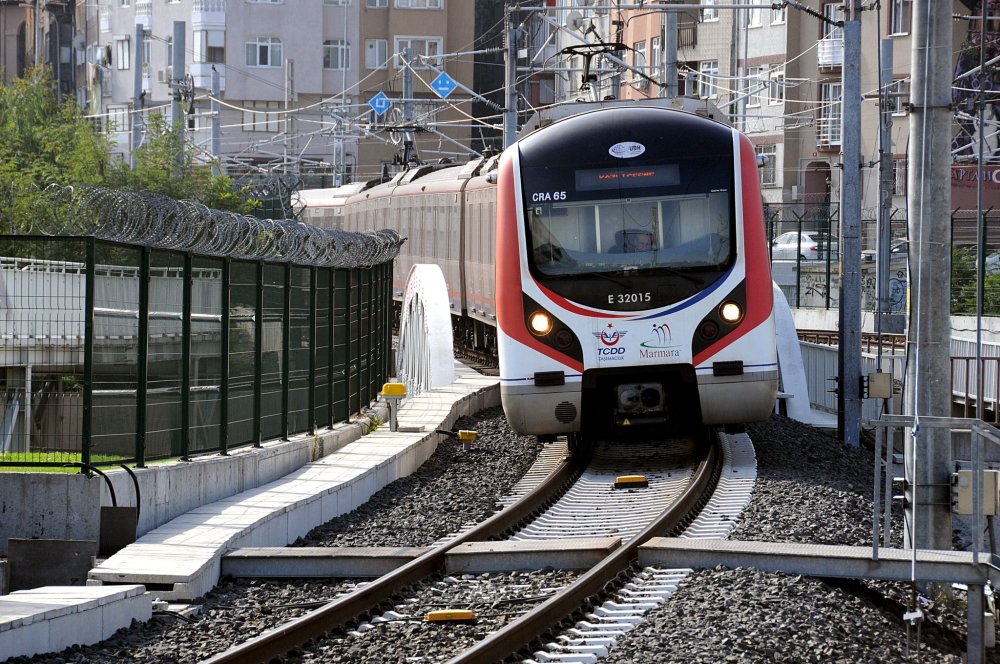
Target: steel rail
{"x":280,"y":640}
{"x":520,"y":633}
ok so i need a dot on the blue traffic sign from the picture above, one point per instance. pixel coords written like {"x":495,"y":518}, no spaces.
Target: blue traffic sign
{"x":380,"y":103}
{"x":444,"y":85}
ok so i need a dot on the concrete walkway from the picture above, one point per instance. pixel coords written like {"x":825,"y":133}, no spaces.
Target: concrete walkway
{"x":181,"y":560}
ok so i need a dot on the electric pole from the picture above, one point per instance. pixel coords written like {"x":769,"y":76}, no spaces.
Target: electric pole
{"x":849,"y":357}
{"x":137,"y":95}
{"x":928,"y":372}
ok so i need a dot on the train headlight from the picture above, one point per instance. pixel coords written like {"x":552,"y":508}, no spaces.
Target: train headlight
{"x":540,"y":323}
{"x":731,"y":312}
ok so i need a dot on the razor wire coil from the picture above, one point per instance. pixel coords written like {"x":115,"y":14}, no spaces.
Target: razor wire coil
{"x":158,"y":221}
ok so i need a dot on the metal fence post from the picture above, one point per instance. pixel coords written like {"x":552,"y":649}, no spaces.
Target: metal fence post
{"x":224,"y":364}
{"x":311,"y":421}
{"x":86,"y":427}
{"x":286,"y":349}
{"x":258,"y":353}
{"x":142,"y":359}
{"x":331,"y":317}
{"x":186,"y":359}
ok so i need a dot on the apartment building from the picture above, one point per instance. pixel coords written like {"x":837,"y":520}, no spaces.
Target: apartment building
{"x":295,"y":77}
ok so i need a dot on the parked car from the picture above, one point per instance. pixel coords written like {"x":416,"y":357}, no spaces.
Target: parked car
{"x":808,"y":245}
{"x":897,"y":251}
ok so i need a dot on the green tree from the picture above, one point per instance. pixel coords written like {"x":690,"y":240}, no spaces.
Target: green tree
{"x":43,"y":141}
{"x":167,"y":164}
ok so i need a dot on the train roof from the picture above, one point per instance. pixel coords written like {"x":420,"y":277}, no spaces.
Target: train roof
{"x":327,"y":197}
{"x":546,"y":116}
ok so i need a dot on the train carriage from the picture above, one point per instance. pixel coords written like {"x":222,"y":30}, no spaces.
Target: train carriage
{"x":633,"y":283}
{"x":616,"y":260}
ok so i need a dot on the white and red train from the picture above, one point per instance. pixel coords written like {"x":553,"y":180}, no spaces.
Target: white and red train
{"x":616,"y":259}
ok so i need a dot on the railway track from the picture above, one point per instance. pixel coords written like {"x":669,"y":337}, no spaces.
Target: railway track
{"x":590,"y":507}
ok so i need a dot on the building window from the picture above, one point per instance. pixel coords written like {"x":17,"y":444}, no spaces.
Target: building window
{"x":118,"y":118}
{"x":754,"y":85}
{"x":899,"y":176}
{"x":262,"y":116}
{"x":657,"y":55}
{"x":419,"y":4}
{"x":776,"y":92}
{"x":833,"y":12}
{"x":122,"y":53}
{"x":210,"y":46}
{"x":426,"y":46}
{"x":264,"y":52}
{"x":709,"y":12}
{"x":376,"y":54}
{"x":266,"y":2}
{"x":338,"y":3}
{"x":376,"y":4}
{"x":899,"y":93}
{"x":755,"y":19}
{"x":778,"y":15}
{"x":900,"y":12}
{"x":830,"y":113}
{"x":124,"y":3}
{"x":708,"y":71}
{"x":168,"y":44}
{"x":639,"y":56}
{"x":336,"y":54}
{"x":767,"y":160}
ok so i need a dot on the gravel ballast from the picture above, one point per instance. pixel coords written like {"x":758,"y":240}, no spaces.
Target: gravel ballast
{"x":810,"y":489}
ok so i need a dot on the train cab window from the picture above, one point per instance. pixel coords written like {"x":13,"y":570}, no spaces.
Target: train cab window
{"x":631,"y":234}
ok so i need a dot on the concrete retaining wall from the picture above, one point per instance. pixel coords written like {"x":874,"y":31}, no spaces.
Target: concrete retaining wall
{"x":68,"y":506}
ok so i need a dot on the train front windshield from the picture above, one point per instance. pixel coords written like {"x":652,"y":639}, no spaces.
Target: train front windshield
{"x":660,"y":218}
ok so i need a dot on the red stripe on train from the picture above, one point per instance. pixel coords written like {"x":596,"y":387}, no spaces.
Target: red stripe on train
{"x":760,"y":296}
{"x":510,"y":307}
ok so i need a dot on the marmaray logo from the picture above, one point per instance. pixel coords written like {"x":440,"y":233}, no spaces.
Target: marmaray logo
{"x":660,"y":337}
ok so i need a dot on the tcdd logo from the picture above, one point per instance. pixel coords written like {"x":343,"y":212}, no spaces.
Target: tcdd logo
{"x":610,"y":336}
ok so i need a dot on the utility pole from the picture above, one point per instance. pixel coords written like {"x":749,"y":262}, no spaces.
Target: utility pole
{"x":39,"y":6}
{"x":138,"y":99}
{"x":289,"y":120}
{"x":886,"y":185}
{"x":408,"y":134}
{"x":216,"y":123}
{"x":669,"y":87}
{"x":884,"y":237}
{"x":176,"y":74}
{"x":849,"y":357}
{"x":928,"y":372}
{"x":510,"y":80}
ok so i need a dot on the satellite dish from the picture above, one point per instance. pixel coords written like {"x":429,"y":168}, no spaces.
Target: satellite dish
{"x":573,"y":19}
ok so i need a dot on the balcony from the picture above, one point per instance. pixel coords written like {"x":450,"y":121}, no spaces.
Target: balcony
{"x":208,"y":14}
{"x":828,"y":132}
{"x":144,"y":14}
{"x":201,"y":72}
{"x":830,"y":54}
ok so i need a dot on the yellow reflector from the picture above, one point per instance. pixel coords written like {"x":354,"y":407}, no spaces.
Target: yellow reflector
{"x":394,"y":390}
{"x":631,"y":482}
{"x":467,"y":436}
{"x":451,"y":615}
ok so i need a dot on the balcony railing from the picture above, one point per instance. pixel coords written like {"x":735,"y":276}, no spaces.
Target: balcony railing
{"x":209,"y":6}
{"x":828,"y":131}
{"x":830,"y":53}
